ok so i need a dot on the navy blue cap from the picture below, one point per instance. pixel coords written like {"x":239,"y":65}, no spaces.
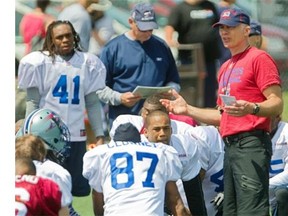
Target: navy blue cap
{"x":233,"y":17}
{"x":127,"y":132}
{"x":255,"y":28}
{"x":144,"y":16}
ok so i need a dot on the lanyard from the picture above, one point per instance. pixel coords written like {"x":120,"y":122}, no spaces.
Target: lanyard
{"x":226,"y":92}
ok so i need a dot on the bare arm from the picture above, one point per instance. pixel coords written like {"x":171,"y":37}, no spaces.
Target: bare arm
{"x":174,"y":201}
{"x":179,"y":106}
{"x":202,"y":174}
{"x":64,"y":211}
{"x":273,"y":106}
{"x":98,"y":203}
{"x":169,"y":31}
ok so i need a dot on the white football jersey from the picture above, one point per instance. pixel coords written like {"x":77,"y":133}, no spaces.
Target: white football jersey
{"x":60,"y":175}
{"x":137,"y":121}
{"x":63,"y":85}
{"x":187,"y":150}
{"x":211,"y":148}
{"x":132,"y":176}
{"x":279,"y":162}
{"x":188,"y":153}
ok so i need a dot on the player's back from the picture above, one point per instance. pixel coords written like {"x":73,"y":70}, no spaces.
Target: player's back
{"x":132,"y":176}
{"x":280,"y":149}
{"x":136,"y":120}
{"x":52,"y":170}
{"x":187,"y":150}
{"x":211,"y":148}
{"x":36,"y":196}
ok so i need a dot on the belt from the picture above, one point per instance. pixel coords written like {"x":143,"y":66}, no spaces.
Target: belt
{"x":236,"y":137}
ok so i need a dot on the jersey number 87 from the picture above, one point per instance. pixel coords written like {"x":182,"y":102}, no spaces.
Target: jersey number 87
{"x":128,"y":170}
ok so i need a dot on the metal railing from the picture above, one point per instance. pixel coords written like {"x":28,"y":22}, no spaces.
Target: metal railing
{"x":192,"y":75}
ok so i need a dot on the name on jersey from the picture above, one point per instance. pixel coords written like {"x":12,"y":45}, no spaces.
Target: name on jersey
{"x":26,"y":178}
{"x":125,"y":143}
{"x":182,"y":155}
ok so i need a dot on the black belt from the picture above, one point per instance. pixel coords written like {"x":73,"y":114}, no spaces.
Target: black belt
{"x":235,"y":138}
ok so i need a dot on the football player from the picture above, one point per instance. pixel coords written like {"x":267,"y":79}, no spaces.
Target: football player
{"x":45,"y":138}
{"x":64,"y":79}
{"x":278,"y":183}
{"x":35,"y":195}
{"x":129,"y":177}
{"x":157,"y":128}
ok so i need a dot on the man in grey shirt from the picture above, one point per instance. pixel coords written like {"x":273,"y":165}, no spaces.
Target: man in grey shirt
{"x":78,"y":15}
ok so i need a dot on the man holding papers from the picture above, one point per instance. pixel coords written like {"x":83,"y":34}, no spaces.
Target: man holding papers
{"x":136,"y":58}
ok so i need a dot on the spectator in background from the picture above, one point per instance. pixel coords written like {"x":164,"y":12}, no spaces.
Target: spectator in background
{"x":102,"y":26}
{"x":134,"y":58}
{"x":224,"y":52}
{"x":255,"y":37}
{"x":78,"y":15}
{"x":33,"y":26}
{"x":193,"y":20}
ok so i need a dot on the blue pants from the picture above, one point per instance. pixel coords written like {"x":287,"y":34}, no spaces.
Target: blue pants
{"x":74,"y":165}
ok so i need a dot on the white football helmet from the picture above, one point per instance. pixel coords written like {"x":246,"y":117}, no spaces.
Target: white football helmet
{"x":49,"y":126}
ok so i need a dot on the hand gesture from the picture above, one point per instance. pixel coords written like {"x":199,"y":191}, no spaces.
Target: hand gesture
{"x":177,"y":106}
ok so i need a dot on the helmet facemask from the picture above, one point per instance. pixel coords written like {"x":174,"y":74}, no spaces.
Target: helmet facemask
{"x":49,"y":126}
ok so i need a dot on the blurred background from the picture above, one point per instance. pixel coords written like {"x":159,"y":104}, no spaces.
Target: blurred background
{"x":272,"y":14}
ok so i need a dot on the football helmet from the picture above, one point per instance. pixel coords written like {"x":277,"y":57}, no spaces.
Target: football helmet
{"x":49,"y":126}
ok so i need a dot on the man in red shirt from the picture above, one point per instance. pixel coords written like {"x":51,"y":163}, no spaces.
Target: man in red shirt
{"x":250,"y":82}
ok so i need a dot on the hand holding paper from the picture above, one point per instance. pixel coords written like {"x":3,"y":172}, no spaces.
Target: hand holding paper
{"x":146,"y":91}
{"x":228,"y":100}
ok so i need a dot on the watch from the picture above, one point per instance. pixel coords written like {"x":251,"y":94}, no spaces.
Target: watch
{"x":256,"y":109}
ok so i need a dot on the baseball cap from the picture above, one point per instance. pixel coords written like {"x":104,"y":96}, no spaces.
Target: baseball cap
{"x":127,"y":132}
{"x":255,"y":28}
{"x":144,"y":16}
{"x":232,"y":17}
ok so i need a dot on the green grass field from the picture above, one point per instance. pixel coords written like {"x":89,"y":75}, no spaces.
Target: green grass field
{"x":83,"y":205}
{"x":285,"y":111}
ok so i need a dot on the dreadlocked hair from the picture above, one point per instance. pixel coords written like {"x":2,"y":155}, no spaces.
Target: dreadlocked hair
{"x":48,"y":44}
